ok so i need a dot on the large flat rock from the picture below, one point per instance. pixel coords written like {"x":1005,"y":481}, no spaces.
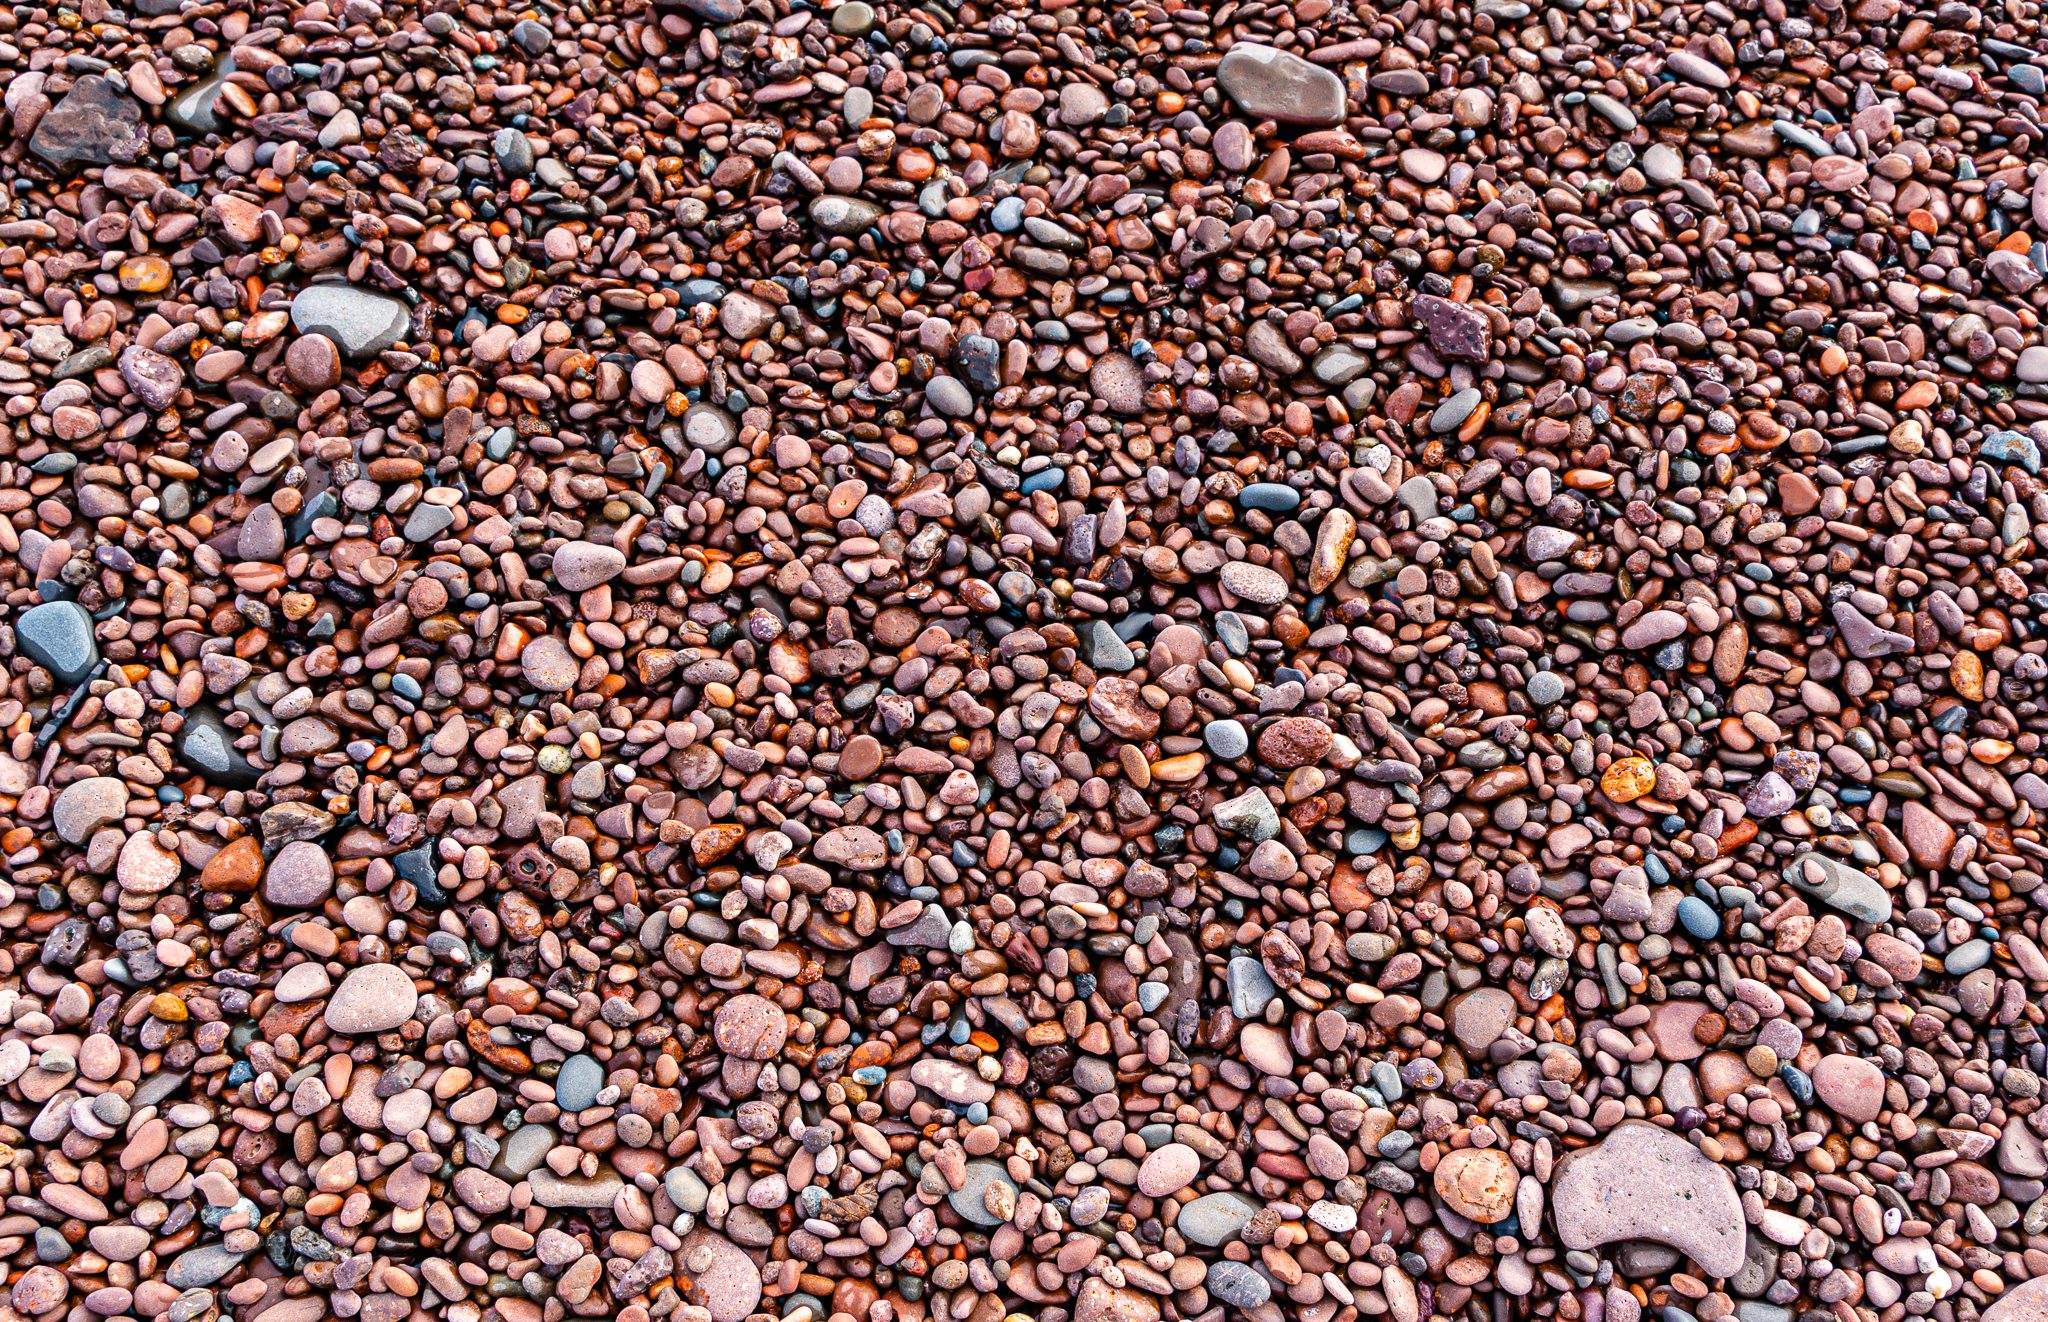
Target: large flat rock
{"x":1643,"y":1182}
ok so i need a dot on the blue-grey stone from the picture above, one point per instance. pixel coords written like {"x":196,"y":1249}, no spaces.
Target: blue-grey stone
{"x":1273,"y":497}
{"x":1251,"y":814}
{"x":1105,"y":650}
{"x":359,"y":322}
{"x":1227,"y":738}
{"x":1238,"y":1284}
{"x":514,"y":152}
{"x":1451,"y":414}
{"x":1215,"y":1219}
{"x":1967,"y":957}
{"x":427,"y":522}
{"x":2012,"y":447}
{"x":579,"y":1082}
{"x":1251,"y":989}
{"x":207,"y":745}
{"x":968,"y":1199}
{"x":842,"y":215}
{"x":57,"y":636}
{"x":1699,"y":918}
{"x":1841,"y":887}
{"x":201,"y":1266}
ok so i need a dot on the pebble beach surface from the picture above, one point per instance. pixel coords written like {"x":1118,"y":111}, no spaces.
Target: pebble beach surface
{"x":1049,"y":661}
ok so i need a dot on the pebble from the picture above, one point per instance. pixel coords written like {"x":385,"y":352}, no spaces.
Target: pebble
{"x":58,"y":636}
{"x":1060,"y":663}
{"x":1643,"y":1182}
{"x":372,"y":998}
{"x":84,"y":806}
{"x":358,"y":322}
{"x":1269,"y":83}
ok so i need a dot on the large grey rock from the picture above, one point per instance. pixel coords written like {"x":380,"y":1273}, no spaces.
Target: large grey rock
{"x":57,"y":636}
{"x":1214,"y":1219}
{"x":360,"y":322}
{"x":1840,"y":886}
{"x":1277,"y":84}
{"x":970,"y":1199}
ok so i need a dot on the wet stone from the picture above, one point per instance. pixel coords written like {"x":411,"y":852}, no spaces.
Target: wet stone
{"x":1108,"y":663}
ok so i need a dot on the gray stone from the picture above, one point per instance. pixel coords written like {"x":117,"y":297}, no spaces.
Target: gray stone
{"x":1251,"y":814}
{"x":949,"y":397}
{"x":842,"y":215}
{"x":577,"y":1085}
{"x":57,"y":636}
{"x":1215,"y":1219}
{"x":855,"y":18}
{"x":1251,"y":988}
{"x":1104,"y":650}
{"x":1339,"y":365}
{"x":1238,"y":1284}
{"x":207,"y":745}
{"x":514,"y":152}
{"x":201,"y":1266}
{"x":1840,"y":886}
{"x":1227,"y":738}
{"x":1280,"y":85}
{"x":970,"y":1199}
{"x":361,"y":323}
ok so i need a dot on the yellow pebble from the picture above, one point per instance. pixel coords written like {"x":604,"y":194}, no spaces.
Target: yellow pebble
{"x":145,"y":275}
{"x":1628,"y":779}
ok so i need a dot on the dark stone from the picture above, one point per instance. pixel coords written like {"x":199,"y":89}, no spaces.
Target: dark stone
{"x":1456,"y":330}
{"x":208,"y":747}
{"x":95,"y":124}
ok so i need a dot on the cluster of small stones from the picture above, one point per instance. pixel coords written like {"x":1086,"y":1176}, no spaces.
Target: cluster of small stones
{"x":1070,"y":660}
